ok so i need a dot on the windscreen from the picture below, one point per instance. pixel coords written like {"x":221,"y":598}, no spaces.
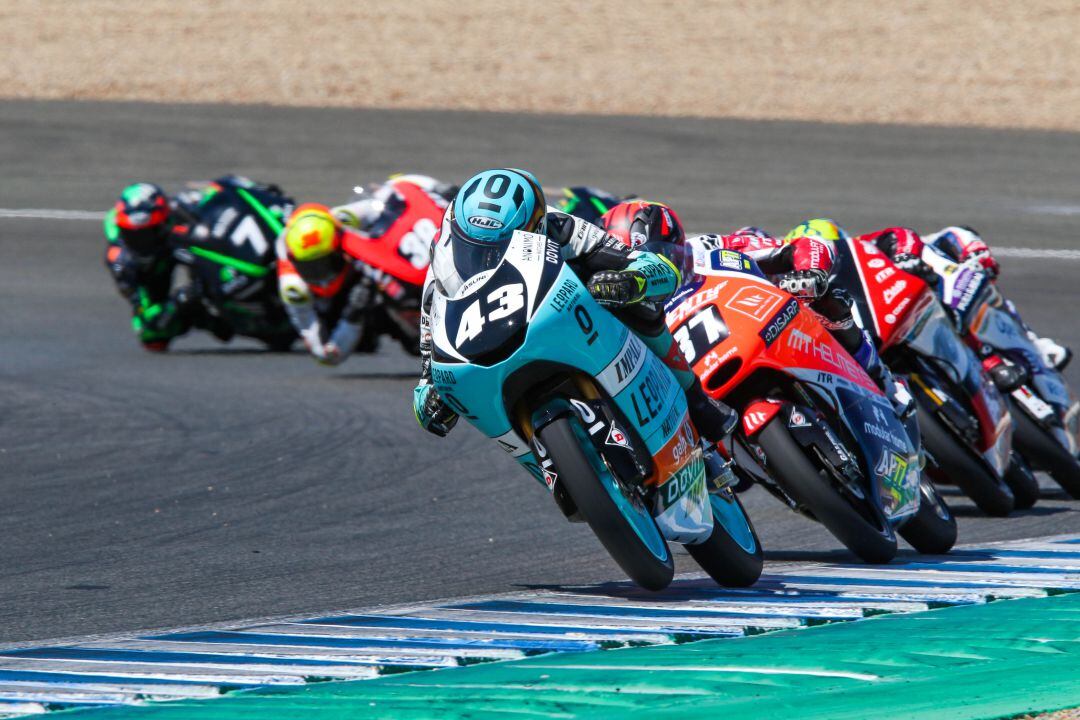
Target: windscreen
{"x":470,"y":258}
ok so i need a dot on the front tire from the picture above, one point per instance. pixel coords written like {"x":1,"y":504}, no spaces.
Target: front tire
{"x":932,"y":531}
{"x":990,"y":494}
{"x":1041,"y":449}
{"x":1022,"y":482}
{"x":802,"y":480}
{"x":626,"y":529}
{"x":732,"y":555}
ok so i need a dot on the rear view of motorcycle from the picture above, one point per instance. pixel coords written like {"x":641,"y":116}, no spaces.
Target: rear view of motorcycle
{"x":963,"y":420}
{"x":523,"y":352}
{"x":817,"y":432}
{"x":1044,"y":408}
{"x":231,"y":268}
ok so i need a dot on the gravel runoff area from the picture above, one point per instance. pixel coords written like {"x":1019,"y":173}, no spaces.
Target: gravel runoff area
{"x":998,"y":63}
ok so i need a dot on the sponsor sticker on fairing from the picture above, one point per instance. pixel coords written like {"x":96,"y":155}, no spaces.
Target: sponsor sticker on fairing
{"x":779,"y":321}
{"x":797,"y":420}
{"x":753,"y":420}
{"x":617,"y":437}
{"x":565,"y":295}
{"x":683,"y":482}
{"x":893,"y":290}
{"x":728,"y":259}
{"x":892,"y":468}
{"x":685,"y":309}
{"x":754,"y":302}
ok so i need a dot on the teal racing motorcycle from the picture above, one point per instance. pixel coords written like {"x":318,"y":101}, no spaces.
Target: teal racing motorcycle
{"x":522,"y":351}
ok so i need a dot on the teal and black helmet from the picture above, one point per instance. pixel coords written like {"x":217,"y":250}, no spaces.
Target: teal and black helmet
{"x":492,"y":204}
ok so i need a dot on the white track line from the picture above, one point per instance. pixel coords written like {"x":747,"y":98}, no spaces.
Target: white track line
{"x":97,"y":215}
{"x":1036,"y":253}
{"x":45,"y":214}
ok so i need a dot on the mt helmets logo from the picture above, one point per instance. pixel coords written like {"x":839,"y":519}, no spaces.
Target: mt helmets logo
{"x":488,"y":223}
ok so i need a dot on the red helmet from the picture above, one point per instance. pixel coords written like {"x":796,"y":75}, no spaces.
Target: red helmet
{"x":637,"y":222}
{"x":895,"y":241}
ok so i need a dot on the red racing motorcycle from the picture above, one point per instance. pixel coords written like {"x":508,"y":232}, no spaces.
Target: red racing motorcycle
{"x":963,"y":419}
{"x":816,"y":431}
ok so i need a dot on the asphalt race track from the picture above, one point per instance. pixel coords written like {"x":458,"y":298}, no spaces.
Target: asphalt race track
{"x":221,"y":482}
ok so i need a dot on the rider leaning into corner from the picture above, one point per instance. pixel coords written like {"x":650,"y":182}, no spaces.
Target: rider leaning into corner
{"x":332,"y":297}
{"x":962,"y":245}
{"x":632,"y":284}
{"x":142,"y":231}
{"x":801,"y":264}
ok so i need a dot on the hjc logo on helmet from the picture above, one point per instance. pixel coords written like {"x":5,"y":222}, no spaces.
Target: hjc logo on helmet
{"x":489,"y":223}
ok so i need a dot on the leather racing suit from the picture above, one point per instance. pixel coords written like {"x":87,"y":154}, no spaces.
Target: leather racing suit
{"x":351,"y":313}
{"x":962,"y":244}
{"x":160,"y":313}
{"x":805,"y":268}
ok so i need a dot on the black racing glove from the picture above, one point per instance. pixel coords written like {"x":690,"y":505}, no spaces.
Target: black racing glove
{"x":615,"y":288}
{"x":914,"y":264}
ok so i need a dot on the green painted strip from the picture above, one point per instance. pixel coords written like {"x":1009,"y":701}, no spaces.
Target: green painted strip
{"x":242,"y":265}
{"x":958,"y":663}
{"x":600,"y":207}
{"x":266,"y":215}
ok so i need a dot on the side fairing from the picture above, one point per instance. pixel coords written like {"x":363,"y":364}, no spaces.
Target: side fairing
{"x":886,"y":297}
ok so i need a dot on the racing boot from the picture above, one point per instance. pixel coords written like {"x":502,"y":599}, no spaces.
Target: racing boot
{"x":714,"y":420}
{"x":716,"y":423}
{"x":1055,"y":355}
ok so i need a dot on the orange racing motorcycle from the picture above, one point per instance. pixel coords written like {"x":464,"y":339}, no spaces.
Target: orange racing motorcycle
{"x":816,"y":431}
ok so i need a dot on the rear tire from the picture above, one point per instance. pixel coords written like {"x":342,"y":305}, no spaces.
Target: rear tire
{"x":932,"y":531}
{"x":1022,"y":482}
{"x":581,"y":477}
{"x":801,"y":479}
{"x":990,"y":494}
{"x":729,"y":561}
{"x":1043,"y":451}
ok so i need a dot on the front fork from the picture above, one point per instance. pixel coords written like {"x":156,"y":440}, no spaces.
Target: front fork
{"x":608,"y":438}
{"x":812,"y":435}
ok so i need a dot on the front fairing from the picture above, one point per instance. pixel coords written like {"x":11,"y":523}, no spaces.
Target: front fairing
{"x":934,"y":337}
{"x":888,"y":456}
{"x":756,"y":331}
{"x":564,"y":326}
